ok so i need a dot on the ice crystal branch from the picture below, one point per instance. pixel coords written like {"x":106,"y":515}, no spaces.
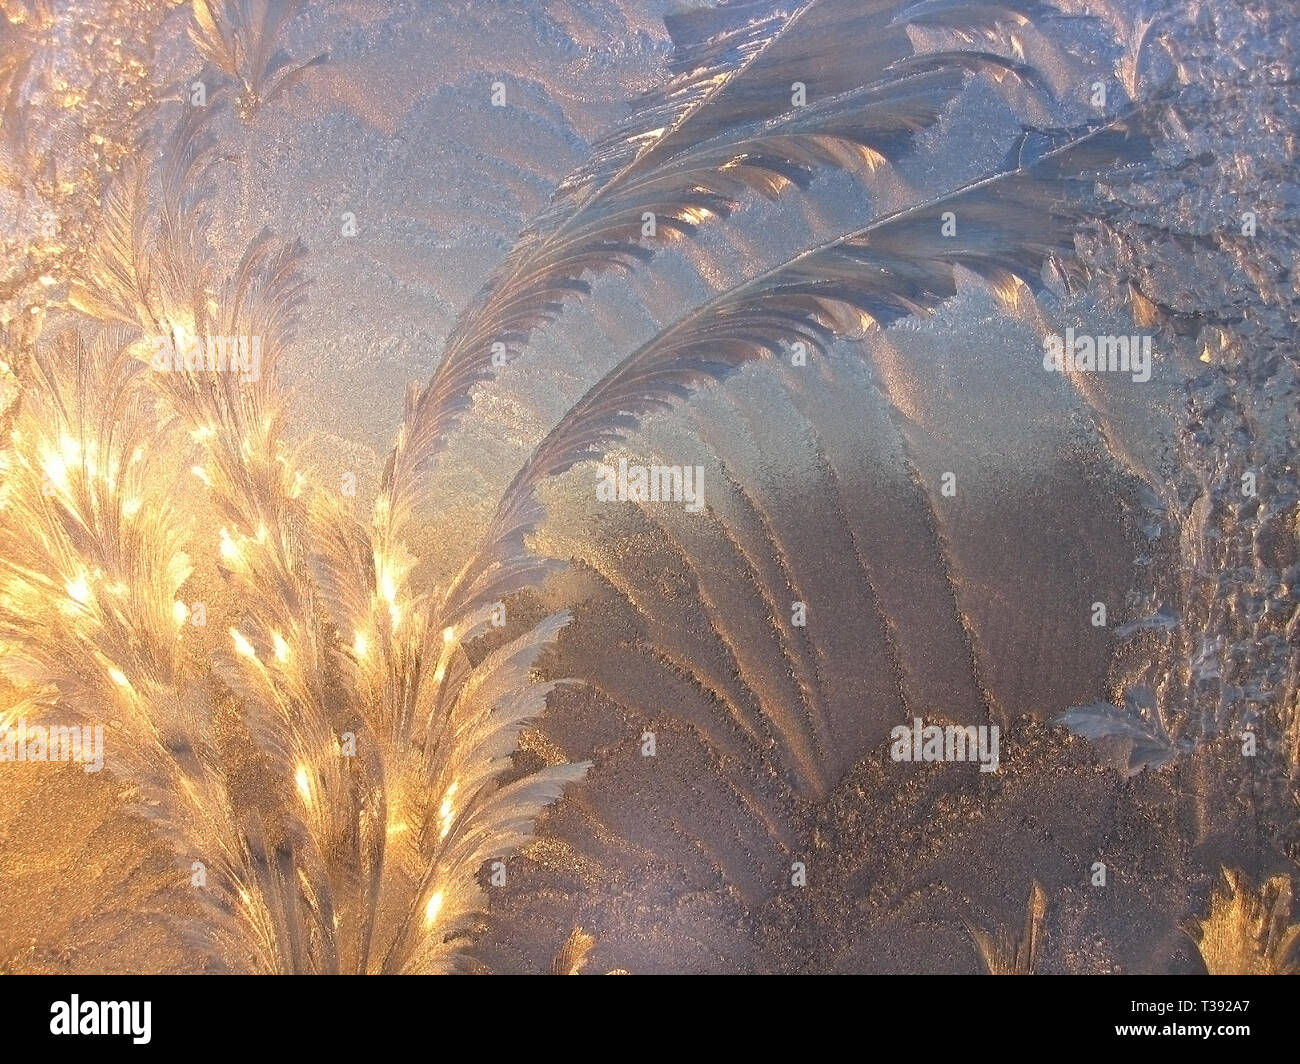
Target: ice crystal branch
{"x":239,"y":37}
{"x":91,"y":564}
{"x":1006,"y":953}
{"x":725,"y":127}
{"x":1248,"y":929}
{"x":363,"y":718}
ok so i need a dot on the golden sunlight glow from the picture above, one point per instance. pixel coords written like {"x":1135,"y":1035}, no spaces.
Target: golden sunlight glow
{"x":202,"y":474}
{"x":55,"y":469}
{"x":229,"y":548}
{"x":118,"y":677}
{"x":445,"y":812}
{"x":388,"y":589}
{"x":130,"y":507}
{"x":79,"y":589}
{"x":242,"y":645}
{"x":281,"y":647}
{"x":431,"y":910}
{"x":304,"y":787}
{"x":180,"y":612}
{"x":360,"y":645}
{"x":448,"y":634}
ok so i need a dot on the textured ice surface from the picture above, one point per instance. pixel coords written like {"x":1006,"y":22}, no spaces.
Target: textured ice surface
{"x":823,"y":487}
